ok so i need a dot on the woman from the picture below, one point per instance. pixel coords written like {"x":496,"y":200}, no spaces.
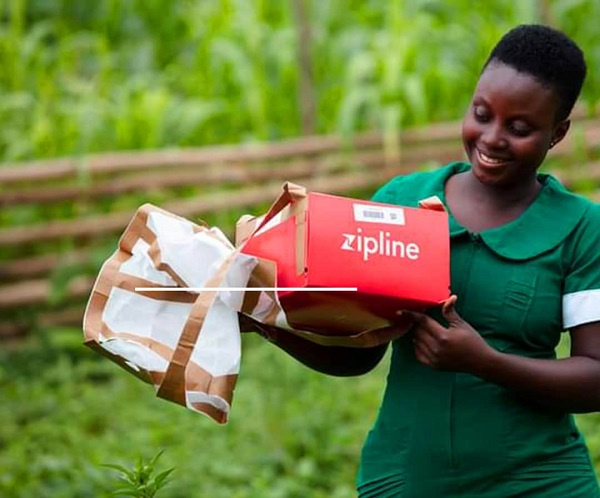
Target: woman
{"x":476,"y":403}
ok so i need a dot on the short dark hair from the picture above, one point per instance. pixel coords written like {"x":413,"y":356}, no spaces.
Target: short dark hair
{"x":548,"y":55}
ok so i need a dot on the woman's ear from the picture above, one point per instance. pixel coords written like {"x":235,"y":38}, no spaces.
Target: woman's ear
{"x":559,"y":132}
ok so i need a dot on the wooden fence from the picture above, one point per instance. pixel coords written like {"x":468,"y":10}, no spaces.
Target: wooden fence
{"x":57,"y":215}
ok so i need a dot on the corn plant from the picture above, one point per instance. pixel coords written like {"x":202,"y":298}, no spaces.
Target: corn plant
{"x":133,"y":75}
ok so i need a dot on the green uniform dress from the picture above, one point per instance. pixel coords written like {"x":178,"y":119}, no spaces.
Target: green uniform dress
{"x":445,"y":434}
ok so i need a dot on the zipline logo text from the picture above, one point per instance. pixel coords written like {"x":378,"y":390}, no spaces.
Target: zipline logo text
{"x":382,"y":244}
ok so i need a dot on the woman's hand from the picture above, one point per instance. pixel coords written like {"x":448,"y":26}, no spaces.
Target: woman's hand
{"x":458,"y":348}
{"x":568,"y":384}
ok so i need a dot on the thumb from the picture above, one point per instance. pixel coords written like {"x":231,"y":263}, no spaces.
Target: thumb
{"x":449,"y":311}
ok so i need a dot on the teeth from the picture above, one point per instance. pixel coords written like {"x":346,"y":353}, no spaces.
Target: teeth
{"x":489,"y":159}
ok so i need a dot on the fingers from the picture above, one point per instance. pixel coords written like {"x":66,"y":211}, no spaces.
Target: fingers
{"x":448,"y":310}
{"x":449,"y":303}
{"x":425,"y":348}
{"x":429,"y":336}
{"x":424,"y":326}
{"x":404,"y":318}
{"x":431,"y":339}
{"x":417,"y":318}
{"x":424,"y":356}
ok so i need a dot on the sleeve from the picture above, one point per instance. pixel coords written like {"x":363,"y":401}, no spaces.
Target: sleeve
{"x":581,"y":290}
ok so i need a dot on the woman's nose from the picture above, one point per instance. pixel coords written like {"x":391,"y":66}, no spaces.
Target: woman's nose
{"x":493,"y":137}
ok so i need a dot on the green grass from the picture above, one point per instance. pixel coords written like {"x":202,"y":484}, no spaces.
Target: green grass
{"x":292,"y":433}
{"x":66,"y":411}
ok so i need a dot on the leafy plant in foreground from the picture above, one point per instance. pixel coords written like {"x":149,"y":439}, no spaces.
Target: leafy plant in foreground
{"x":140,"y":481}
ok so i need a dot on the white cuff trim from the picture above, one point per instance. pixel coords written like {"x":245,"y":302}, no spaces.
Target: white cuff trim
{"x":581,"y":307}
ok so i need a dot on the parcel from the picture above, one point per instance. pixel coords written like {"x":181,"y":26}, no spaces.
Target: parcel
{"x":166,"y":305}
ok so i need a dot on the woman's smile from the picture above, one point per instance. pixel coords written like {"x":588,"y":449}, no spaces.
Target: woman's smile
{"x":490,"y":160}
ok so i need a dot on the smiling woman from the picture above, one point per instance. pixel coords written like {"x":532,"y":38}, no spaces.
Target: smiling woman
{"x":510,"y":125}
{"x":507,"y":132}
{"x":493,"y":407}
{"x":475,"y":390}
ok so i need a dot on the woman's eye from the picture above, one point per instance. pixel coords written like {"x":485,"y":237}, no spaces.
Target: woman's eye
{"x":481,"y":115}
{"x":519,"y":129}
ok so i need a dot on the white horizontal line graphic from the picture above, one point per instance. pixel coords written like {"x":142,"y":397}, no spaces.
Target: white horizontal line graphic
{"x":242,"y":289}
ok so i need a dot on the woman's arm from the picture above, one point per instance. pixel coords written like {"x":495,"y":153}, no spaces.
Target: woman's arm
{"x":331,"y":360}
{"x":571,"y":384}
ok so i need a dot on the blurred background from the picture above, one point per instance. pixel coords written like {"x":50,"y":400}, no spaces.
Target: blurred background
{"x":204,"y":107}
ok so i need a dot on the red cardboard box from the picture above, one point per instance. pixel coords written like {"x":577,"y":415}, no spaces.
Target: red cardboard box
{"x":397,"y":258}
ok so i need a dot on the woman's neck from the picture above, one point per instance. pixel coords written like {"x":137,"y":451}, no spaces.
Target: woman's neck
{"x":478,"y":206}
{"x":500,"y":197}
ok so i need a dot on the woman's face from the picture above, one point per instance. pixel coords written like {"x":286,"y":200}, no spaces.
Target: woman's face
{"x":509,"y":126}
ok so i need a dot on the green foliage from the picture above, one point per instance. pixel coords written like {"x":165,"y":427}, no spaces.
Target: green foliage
{"x":140,"y":481}
{"x":81,"y":77}
{"x":66,"y":410}
{"x":293,"y":433}
{"x":138,"y":74}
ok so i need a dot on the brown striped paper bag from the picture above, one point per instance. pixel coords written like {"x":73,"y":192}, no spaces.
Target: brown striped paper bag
{"x":186,"y":343}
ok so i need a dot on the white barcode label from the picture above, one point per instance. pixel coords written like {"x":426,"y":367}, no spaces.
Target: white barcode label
{"x":378,"y":214}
